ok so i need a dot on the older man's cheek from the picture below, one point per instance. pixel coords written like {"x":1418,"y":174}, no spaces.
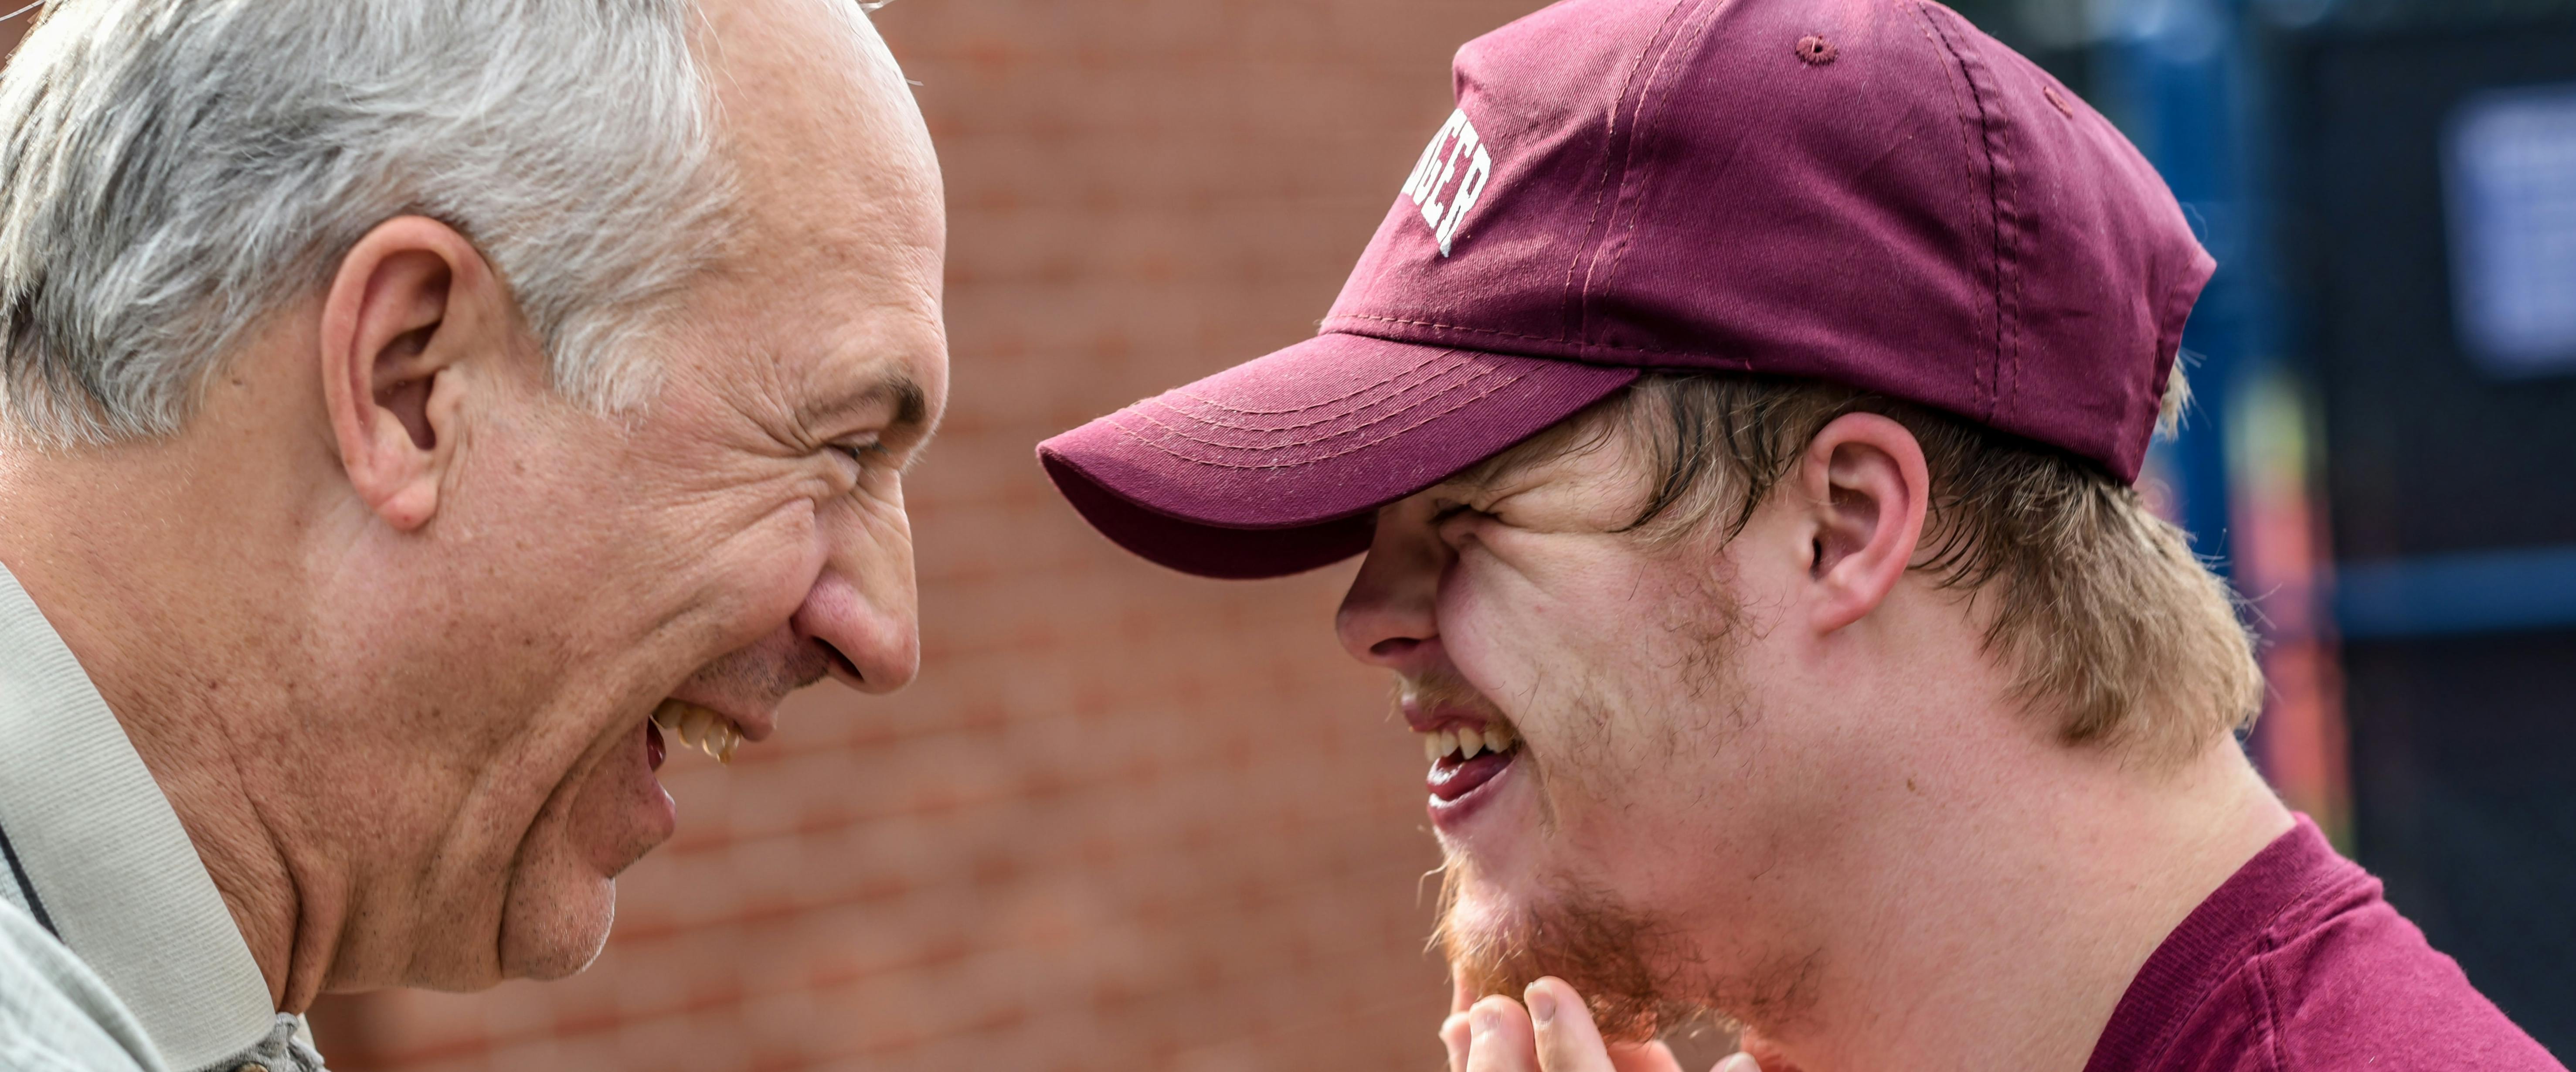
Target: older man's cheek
{"x":751,"y":582}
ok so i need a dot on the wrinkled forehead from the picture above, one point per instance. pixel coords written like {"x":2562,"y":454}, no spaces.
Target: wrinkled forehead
{"x":839,"y":224}
{"x":811,"y":103}
{"x":811,"y":108}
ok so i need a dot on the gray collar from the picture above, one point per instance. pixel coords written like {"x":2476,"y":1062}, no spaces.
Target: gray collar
{"x":95,"y":853}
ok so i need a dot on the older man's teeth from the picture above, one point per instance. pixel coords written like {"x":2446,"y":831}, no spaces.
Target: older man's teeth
{"x":1468,"y":742}
{"x":700,"y":728}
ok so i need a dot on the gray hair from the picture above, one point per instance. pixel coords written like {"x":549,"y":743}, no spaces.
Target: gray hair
{"x":174,"y":171}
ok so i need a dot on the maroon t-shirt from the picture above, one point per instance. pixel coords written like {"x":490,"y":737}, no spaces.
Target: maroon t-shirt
{"x":2296,"y":964}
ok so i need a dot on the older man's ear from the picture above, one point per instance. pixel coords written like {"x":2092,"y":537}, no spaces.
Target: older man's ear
{"x":414,"y":318}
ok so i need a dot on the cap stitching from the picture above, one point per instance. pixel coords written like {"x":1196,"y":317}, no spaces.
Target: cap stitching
{"x":1382,"y":418}
{"x":1571,"y":312}
{"x":2008,"y":256}
{"x":1504,"y":334}
{"x":1246,"y":427}
{"x":1354,"y":393}
{"x":1354,"y":448}
{"x":1184,"y":392}
{"x":1968,"y":145}
{"x":1698,"y":355}
{"x":1635,"y":137}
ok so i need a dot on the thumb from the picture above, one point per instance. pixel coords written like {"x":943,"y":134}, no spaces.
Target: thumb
{"x":1567,"y":1039}
{"x":1759,"y":1054}
{"x":1498,"y":1038}
{"x":1453,"y":1036}
{"x":1742,"y":1062}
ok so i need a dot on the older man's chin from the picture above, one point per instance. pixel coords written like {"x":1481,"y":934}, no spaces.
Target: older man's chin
{"x":556,"y":919}
{"x":557,"y":939}
{"x":563,"y":889}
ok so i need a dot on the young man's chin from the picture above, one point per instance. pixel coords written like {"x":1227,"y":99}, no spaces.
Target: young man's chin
{"x":1497,"y":948}
{"x":1502,"y":939}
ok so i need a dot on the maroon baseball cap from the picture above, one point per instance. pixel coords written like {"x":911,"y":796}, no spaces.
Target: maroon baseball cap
{"x":1869,"y":192}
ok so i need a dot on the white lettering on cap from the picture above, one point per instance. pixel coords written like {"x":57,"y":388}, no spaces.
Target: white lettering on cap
{"x":1456,"y":154}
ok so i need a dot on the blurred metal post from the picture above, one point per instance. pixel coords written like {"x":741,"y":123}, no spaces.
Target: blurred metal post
{"x":2188,"y":83}
{"x":2176,"y":75}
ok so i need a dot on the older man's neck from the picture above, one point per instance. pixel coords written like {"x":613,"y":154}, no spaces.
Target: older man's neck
{"x":2011,"y":922}
{"x":154,"y":567}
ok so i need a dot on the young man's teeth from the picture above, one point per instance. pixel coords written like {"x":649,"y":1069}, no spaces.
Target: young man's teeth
{"x":1468,"y":742}
{"x":699,"y":728}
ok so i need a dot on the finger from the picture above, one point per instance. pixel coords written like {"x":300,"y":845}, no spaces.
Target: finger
{"x":1567,"y":1039}
{"x":1651,"y":1057}
{"x":1761,"y":1051}
{"x":1453,"y":1034}
{"x":1742,"y":1062}
{"x":1499,"y":1038}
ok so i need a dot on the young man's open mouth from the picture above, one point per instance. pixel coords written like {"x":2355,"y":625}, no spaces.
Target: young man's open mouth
{"x":1468,"y":751}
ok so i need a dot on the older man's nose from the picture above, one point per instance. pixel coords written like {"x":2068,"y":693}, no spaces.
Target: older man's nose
{"x":874,"y":636}
{"x":1388,"y":618}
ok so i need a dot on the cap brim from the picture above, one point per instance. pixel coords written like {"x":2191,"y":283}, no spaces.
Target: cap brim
{"x":1278,"y":465}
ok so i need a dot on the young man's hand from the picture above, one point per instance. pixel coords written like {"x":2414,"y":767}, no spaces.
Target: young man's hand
{"x":1553,"y":1033}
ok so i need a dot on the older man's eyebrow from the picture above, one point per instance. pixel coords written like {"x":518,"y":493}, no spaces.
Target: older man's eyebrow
{"x":912,"y":416}
{"x":896,"y":390}
{"x":907,"y":431}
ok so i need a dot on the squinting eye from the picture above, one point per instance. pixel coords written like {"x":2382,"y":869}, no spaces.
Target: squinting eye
{"x":862,"y":453}
{"x":1446,"y":512}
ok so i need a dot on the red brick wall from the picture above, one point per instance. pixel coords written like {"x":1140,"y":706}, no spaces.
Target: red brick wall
{"x":13,"y":29}
{"x":1125,"y":820}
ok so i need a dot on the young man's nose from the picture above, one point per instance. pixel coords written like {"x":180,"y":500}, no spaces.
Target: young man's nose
{"x":874,"y":635}
{"x":1390,"y":616}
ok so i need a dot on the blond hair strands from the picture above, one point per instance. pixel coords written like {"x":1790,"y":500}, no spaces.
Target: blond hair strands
{"x":2107,"y":621}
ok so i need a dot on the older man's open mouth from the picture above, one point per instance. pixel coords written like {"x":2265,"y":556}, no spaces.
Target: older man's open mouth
{"x":698,"y":727}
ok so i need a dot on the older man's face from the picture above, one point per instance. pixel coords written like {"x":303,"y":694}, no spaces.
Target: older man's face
{"x":1656,"y":759}
{"x":741,"y":536}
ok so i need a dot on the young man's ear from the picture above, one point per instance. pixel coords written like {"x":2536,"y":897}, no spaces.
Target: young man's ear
{"x":413,"y":304}
{"x":1868,"y":491}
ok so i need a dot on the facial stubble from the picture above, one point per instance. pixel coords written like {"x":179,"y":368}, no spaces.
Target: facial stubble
{"x":1640,"y":973}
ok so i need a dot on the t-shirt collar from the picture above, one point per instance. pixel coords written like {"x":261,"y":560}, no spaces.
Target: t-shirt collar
{"x":2213,"y":941}
{"x":95,"y":853}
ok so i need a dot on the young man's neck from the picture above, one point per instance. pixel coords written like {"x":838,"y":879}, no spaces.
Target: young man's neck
{"x":2001,"y":928}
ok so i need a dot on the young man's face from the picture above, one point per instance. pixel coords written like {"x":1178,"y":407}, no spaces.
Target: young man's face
{"x":1660,"y":753}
